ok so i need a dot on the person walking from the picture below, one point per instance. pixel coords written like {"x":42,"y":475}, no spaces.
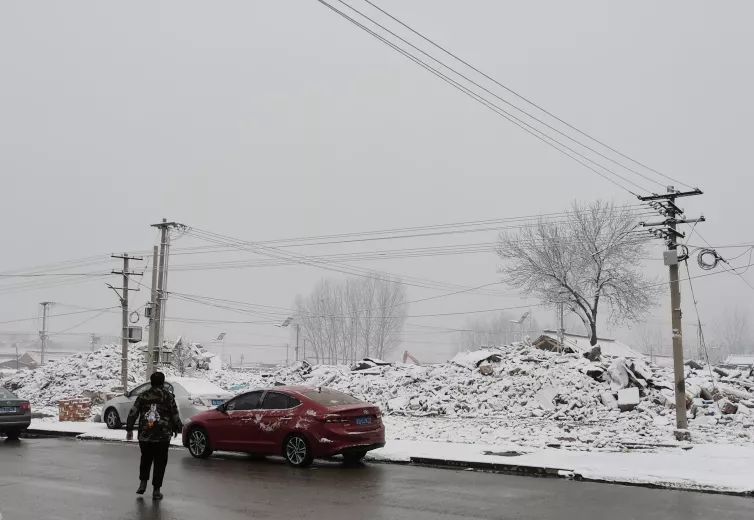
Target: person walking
{"x":157,"y":413}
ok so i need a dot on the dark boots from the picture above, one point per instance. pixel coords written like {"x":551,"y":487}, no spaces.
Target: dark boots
{"x":156,"y":495}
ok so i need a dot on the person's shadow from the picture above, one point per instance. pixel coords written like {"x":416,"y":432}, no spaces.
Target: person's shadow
{"x":147,"y":511}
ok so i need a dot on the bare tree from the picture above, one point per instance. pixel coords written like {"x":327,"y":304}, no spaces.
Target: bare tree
{"x":733,"y":332}
{"x":182,"y":356}
{"x":589,"y":258}
{"x":649,"y":336}
{"x":345,"y":321}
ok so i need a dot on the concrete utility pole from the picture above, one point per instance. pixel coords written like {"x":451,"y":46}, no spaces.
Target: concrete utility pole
{"x":561,"y":329}
{"x":43,"y":333}
{"x":152,"y":342}
{"x":298,"y":331}
{"x":124,"y":308}
{"x":162,"y":280}
{"x":667,"y":230}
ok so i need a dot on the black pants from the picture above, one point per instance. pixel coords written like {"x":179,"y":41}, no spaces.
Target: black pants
{"x":156,"y":452}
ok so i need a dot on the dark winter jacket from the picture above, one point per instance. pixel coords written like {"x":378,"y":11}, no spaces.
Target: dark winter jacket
{"x":157,"y":413}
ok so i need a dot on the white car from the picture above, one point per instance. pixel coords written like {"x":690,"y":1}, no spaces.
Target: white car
{"x":192,"y":396}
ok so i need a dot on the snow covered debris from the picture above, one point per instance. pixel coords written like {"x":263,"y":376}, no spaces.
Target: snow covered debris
{"x":628,"y":399}
{"x":516,"y":393}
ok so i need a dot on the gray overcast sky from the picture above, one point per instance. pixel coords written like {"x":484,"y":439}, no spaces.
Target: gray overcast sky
{"x":265,"y":120}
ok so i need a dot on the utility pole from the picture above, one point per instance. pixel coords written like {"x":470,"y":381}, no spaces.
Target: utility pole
{"x":43,"y":333}
{"x":18,"y":359}
{"x":667,"y":229}
{"x":93,"y":341}
{"x":561,"y":330}
{"x":162,"y":280}
{"x":124,"y":313}
{"x":152,"y":343}
{"x":298,"y":331}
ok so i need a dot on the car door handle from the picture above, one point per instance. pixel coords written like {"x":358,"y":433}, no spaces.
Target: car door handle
{"x":286,"y":418}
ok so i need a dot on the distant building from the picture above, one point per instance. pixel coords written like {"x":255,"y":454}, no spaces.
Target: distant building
{"x":581,"y":344}
{"x":28,"y":360}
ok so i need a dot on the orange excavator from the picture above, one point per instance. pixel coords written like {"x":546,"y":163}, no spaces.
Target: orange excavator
{"x":407,"y":356}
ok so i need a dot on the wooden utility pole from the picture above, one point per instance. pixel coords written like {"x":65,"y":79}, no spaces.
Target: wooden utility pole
{"x":124,"y":313}
{"x":667,"y":229}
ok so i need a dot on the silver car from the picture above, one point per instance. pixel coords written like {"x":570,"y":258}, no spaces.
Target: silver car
{"x":192,"y":396}
{"x":15,"y":414}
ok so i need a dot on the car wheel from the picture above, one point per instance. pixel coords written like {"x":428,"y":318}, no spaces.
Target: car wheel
{"x":198,"y":443}
{"x":297,"y":452}
{"x":354,"y":457}
{"x":112,"y":419}
{"x":13,"y":434}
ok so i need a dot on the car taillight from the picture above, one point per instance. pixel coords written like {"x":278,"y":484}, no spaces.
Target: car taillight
{"x":196,"y":401}
{"x":338,"y":419}
{"x":25,"y":407}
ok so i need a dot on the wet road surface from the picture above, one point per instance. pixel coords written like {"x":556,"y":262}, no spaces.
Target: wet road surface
{"x":69,"y":479}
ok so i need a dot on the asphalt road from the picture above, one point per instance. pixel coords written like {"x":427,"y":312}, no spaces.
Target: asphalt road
{"x":69,"y":479}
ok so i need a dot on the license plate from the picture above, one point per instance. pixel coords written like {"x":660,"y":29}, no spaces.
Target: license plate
{"x":217,"y":402}
{"x":8,"y":409}
{"x":363,"y":420}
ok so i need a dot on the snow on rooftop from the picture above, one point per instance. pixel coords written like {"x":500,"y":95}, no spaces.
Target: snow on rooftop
{"x":195,"y":386}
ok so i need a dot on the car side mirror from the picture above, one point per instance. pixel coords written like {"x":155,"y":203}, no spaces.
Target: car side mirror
{"x":222,"y":408}
{"x":126,"y":394}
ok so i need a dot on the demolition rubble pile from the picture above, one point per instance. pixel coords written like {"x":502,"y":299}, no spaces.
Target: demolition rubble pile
{"x":536,"y":397}
{"x":516,"y":393}
{"x":95,"y":375}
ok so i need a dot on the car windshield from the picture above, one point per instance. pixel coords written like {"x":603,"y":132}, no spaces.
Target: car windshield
{"x":6,"y":394}
{"x":328,"y":397}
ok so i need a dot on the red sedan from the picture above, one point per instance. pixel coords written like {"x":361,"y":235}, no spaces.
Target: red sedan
{"x":298,"y":422}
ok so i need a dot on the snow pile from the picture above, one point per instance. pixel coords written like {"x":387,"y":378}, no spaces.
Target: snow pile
{"x":516,"y":393}
{"x":89,"y":374}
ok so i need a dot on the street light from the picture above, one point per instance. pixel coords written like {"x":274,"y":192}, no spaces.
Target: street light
{"x":521,"y":322}
{"x":221,"y":338}
{"x":288,"y":321}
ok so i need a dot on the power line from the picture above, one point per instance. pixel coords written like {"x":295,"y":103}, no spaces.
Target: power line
{"x":499,"y":97}
{"x":35,"y":275}
{"x":65,"y":331}
{"x":518,"y":95}
{"x":729,"y":268}
{"x":542,"y":136}
{"x":56,"y":315}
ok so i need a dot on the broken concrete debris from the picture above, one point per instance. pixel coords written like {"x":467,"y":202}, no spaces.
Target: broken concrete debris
{"x":595,"y":354}
{"x":628,"y":399}
{"x":517,"y":393}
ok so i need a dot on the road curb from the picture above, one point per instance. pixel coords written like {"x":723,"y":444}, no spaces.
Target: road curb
{"x":496,"y":467}
{"x":668,"y":486}
{"x":50,"y":433}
